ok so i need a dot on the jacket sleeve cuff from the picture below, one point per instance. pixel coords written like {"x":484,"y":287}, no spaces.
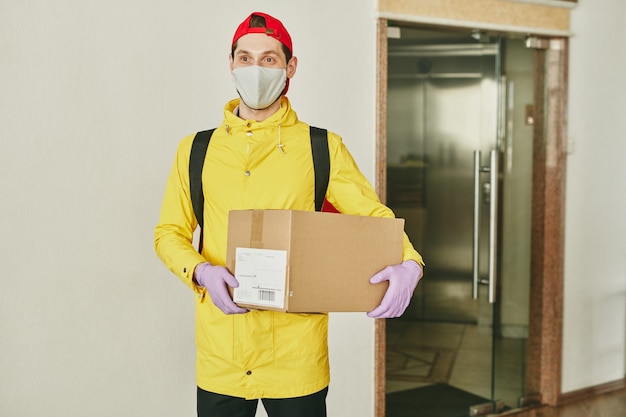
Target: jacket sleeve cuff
{"x":409,"y":252}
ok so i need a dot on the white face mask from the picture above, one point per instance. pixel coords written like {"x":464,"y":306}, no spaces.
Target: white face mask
{"x":259,"y":87}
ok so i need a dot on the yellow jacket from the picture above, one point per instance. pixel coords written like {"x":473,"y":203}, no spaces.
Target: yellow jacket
{"x":260,"y":354}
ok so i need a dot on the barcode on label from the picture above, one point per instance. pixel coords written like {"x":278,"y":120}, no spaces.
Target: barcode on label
{"x":265,"y":295}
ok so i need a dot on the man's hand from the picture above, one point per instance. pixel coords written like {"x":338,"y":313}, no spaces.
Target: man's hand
{"x":403,"y":279}
{"x":215,"y":279}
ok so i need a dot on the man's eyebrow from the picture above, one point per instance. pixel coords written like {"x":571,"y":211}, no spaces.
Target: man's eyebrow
{"x":268,"y":52}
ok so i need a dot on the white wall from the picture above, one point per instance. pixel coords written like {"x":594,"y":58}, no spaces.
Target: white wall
{"x":595,"y":271}
{"x":94,"y":97}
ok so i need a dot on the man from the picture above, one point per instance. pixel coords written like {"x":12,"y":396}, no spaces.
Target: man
{"x":260,"y":157}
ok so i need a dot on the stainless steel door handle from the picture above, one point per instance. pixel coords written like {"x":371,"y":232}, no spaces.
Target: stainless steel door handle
{"x":493,"y":171}
{"x":476,"y":229}
{"x":493,"y":225}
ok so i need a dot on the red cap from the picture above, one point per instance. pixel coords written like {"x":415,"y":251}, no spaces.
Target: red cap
{"x":273,"y":27}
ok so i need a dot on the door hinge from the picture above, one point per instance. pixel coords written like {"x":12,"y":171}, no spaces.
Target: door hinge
{"x":494,"y":407}
{"x":530,"y":400}
{"x":535,"y":42}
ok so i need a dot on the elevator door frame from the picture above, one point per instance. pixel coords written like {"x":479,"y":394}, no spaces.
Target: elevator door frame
{"x":547,"y":241}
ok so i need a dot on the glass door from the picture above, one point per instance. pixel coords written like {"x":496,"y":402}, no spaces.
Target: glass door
{"x":451,"y":174}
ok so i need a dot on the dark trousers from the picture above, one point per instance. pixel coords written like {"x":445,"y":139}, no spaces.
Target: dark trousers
{"x":217,"y":405}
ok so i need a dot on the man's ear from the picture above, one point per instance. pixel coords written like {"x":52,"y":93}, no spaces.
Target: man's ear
{"x":230,"y":62}
{"x":292,"y":65}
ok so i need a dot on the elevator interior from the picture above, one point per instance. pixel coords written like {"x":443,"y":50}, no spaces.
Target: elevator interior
{"x":459,"y":170}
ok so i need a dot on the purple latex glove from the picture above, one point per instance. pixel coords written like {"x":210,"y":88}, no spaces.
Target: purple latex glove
{"x":215,"y":279}
{"x":403,"y":279}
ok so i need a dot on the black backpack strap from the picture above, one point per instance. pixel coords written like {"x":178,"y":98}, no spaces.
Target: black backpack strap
{"x":196,"y":163}
{"x":321,"y":164}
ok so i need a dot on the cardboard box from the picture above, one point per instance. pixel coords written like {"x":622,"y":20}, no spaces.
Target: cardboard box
{"x":310,"y":262}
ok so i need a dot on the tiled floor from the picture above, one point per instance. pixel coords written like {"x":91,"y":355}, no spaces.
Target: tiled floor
{"x":420,"y":353}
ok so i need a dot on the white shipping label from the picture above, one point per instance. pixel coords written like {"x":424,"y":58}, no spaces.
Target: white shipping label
{"x":262,"y":277}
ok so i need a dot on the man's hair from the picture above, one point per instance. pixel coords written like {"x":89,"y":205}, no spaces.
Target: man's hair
{"x":259,"y":22}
